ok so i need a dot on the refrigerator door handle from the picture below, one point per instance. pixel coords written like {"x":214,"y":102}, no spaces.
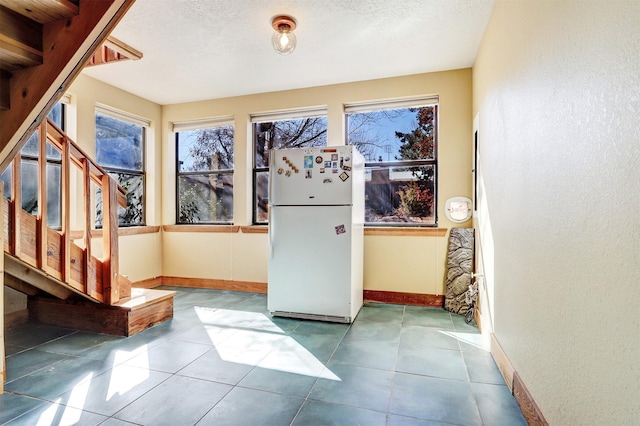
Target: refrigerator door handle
{"x":272,"y":158}
{"x":270,"y":234}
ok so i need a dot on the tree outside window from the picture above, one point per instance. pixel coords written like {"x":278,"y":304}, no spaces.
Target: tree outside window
{"x":120,"y":151}
{"x":205,"y":175}
{"x":399,"y":146}
{"x":277,"y":134}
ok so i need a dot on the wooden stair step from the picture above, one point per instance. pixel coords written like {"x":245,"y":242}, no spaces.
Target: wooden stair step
{"x":142,"y":310}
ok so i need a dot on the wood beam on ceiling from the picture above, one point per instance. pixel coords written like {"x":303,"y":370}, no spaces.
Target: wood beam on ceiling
{"x":123,"y":48}
{"x":68,"y":44}
{"x":20,"y":41}
{"x":43,"y":11}
{"x":113,"y":50}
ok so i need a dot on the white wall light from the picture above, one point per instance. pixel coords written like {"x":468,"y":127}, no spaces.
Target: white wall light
{"x":283,"y":39}
{"x":458,"y":209}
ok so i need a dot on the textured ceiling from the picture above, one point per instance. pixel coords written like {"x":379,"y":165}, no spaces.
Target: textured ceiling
{"x":207,"y":49}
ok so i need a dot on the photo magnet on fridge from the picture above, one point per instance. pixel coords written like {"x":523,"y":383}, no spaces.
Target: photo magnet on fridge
{"x":340,"y":229}
{"x":308,"y":161}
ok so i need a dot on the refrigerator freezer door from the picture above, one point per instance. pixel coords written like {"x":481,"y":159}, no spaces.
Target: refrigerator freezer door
{"x":314,"y":176}
{"x":310,"y":264}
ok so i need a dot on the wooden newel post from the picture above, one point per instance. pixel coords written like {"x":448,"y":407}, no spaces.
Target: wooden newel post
{"x":111,"y":288}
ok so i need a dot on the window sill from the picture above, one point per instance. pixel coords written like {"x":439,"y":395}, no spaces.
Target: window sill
{"x":129,"y":230}
{"x":231,"y":229}
{"x":263,"y":229}
{"x":255,"y":229}
{"x":405,"y":231}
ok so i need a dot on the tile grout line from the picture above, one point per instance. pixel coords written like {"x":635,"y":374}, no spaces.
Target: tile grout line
{"x":395,"y":367}
{"x":326,"y":367}
{"x":466,"y":369}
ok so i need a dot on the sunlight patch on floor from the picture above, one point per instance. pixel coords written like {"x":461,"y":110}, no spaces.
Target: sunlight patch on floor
{"x":237,"y":319}
{"x":70,"y":415}
{"x":124,"y":378}
{"x":473,"y":339}
{"x":257,"y":341}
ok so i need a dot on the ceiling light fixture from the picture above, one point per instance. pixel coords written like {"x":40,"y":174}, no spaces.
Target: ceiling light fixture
{"x":283,"y":39}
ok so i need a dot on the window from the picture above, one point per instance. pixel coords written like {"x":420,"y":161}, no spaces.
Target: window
{"x":120,"y":151}
{"x":29,"y":173}
{"x":399,"y":143}
{"x":204,"y":172}
{"x":297,"y":129}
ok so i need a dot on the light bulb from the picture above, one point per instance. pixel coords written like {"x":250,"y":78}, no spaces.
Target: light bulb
{"x":284,"y":41}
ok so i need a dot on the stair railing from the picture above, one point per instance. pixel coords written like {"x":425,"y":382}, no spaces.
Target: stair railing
{"x":55,"y":252}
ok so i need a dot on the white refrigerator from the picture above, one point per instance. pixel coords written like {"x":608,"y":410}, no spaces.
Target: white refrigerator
{"x":316,"y":225}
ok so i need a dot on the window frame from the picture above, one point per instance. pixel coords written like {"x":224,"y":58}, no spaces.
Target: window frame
{"x":144,"y":125}
{"x":208,"y":123}
{"x":402,"y":103}
{"x":270,"y":117}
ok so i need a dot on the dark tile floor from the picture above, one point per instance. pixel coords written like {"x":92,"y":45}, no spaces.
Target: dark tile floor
{"x":223,"y":360}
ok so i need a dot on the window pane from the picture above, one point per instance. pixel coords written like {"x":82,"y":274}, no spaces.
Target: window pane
{"x":56,"y":115}
{"x":206,"y":197}
{"x":118,"y":144}
{"x":396,"y":134}
{"x":5,"y":178}
{"x":133,"y":215}
{"x":31,"y":147}
{"x":134,"y":187}
{"x":205,"y":149}
{"x":400,"y":195}
{"x":54,"y":195}
{"x":29,"y":176}
{"x":52,"y":153}
{"x":295,"y":133}
{"x":262,"y":197}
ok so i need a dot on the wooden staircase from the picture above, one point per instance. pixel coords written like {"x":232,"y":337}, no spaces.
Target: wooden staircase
{"x":41,"y":260}
{"x":44,"y":45}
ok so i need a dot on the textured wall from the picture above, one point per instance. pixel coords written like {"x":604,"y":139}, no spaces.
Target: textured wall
{"x":556,"y":90}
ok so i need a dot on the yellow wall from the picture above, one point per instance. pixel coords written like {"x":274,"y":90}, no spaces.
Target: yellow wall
{"x":557,"y":97}
{"x":392,"y":263}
